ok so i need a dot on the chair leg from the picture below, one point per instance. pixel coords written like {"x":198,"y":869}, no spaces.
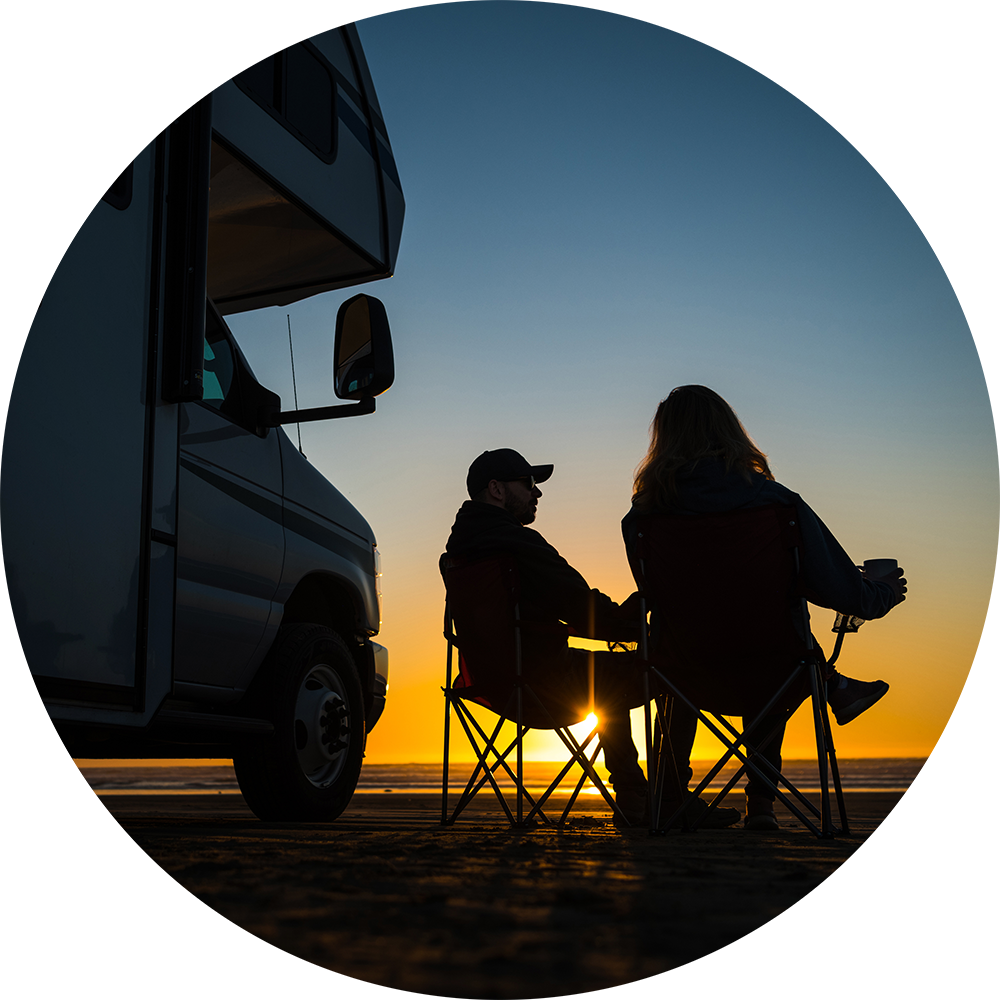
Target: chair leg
{"x":473,"y":787}
{"x":750,"y":760}
{"x":581,"y":758}
{"x":773,"y":774}
{"x":651,"y":759}
{"x":537,"y":806}
{"x":447,"y":715}
{"x":444,"y":769}
{"x":489,"y":746}
{"x":519,"y":739}
{"x":655,"y":778}
{"x":765,"y":765}
{"x":765,"y":772}
{"x":557,"y":780}
{"x":577,"y":754}
{"x":666,"y":762}
{"x":470,"y":791}
{"x":536,"y":809}
{"x":580,"y":783}
{"x":489,"y":743}
{"x":834,"y":769}
{"x":734,"y":751}
{"x":680,"y":787}
{"x":821,"y":750}
{"x":485,"y":771}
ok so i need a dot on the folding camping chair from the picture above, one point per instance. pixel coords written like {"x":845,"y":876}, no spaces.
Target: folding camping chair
{"x":483,"y":624}
{"x":730,"y":637}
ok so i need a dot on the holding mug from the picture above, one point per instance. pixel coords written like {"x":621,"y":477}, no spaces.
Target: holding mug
{"x":875,"y":568}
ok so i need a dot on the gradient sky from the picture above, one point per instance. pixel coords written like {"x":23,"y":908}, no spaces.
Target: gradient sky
{"x":598,"y":210}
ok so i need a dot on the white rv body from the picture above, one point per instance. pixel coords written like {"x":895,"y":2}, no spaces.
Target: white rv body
{"x":162,"y":536}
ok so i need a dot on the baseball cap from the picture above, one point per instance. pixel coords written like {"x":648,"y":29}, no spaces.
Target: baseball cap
{"x":503,"y":464}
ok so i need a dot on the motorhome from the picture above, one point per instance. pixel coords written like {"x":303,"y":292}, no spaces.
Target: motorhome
{"x":184,"y":583}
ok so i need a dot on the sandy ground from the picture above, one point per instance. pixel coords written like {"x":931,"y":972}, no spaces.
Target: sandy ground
{"x":388,"y":902}
{"x":390,"y":899}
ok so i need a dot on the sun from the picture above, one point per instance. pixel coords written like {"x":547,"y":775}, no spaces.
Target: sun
{"x":544,"y":745}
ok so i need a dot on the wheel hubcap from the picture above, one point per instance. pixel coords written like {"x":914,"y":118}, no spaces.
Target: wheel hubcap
{"x":322,"y":728}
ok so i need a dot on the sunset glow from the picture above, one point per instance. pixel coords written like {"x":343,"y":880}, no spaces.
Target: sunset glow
{"x":751,"y":250}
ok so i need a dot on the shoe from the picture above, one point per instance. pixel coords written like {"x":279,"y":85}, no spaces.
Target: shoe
{"x":698,"y":811}
{"x":760,"y":815}
{"x":634,"y":808}
{"x":849,"y":698}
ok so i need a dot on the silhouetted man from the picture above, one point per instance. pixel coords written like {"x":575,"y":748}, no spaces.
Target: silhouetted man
{"x":504,"y":493}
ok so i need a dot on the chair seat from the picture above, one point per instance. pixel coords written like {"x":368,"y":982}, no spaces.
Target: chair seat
{"x":539,"y":710}
{"x":740,"y":688}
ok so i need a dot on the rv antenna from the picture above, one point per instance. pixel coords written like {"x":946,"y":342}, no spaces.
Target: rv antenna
{"x":295,"y":391}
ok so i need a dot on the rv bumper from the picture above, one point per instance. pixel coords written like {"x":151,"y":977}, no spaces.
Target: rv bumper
{"x":380,"y":685}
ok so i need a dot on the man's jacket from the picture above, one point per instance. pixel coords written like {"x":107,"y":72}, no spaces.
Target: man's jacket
{"x":550,"y":589}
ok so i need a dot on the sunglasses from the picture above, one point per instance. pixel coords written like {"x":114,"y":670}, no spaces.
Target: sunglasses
{"x":528,"y":481}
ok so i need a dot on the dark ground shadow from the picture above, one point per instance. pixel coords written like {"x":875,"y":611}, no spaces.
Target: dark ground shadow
{"x":175,"y":892}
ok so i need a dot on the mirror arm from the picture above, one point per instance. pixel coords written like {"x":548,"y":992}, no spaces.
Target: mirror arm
{"x":275,"y":418}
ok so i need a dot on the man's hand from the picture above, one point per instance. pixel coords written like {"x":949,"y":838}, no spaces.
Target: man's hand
{"x":896,"y":580}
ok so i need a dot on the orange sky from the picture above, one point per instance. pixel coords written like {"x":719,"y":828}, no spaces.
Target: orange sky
{"x":924,"y":649}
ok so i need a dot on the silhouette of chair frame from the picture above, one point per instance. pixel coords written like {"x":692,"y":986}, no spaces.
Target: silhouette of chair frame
{"x":482,"y":600}
{"x":726,"y":590}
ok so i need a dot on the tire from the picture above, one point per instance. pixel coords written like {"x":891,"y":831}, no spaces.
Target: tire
{"x":310,"y":691}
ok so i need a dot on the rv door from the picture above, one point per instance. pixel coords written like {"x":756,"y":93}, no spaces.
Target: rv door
{"x":91,"y":146}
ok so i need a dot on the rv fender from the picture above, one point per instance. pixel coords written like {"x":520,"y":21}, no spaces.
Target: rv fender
{"x":324,"y":599}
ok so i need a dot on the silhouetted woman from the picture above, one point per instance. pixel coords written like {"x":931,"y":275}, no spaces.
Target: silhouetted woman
{"x":702,"y":461}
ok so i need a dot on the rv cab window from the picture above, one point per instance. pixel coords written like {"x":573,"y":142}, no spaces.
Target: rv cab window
{"x":219,"y":366}
{"x":228,"y":384}
{"x":221,"y":379}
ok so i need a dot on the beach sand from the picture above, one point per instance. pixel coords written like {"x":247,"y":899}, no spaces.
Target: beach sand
{"x":388,"y":902}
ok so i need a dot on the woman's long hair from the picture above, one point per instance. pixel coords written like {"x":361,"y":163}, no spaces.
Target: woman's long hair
{"x":692,"y":423}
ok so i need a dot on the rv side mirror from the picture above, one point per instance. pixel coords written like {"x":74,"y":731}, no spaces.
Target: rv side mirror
{"x":362,"y":349}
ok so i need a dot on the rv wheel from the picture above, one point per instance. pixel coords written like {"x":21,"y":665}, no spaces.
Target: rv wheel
{"x":309,"y":768}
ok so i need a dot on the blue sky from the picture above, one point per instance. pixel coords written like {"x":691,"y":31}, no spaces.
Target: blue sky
{"x":599,"y":209}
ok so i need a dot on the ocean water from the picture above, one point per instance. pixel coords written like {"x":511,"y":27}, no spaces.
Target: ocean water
{"x":856,"y":774}
{"x":881,"y":774}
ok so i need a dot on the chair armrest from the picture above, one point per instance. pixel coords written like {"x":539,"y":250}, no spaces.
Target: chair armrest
{"x":623,"y":631}
{"x":550,"y":628}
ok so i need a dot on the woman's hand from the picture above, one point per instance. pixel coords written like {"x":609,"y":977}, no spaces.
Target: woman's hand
{"x":895,"y":579}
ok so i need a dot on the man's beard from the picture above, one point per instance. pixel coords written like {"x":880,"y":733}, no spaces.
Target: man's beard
{"x":523,"y":510}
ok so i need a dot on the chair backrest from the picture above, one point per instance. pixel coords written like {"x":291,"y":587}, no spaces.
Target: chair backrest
{"x":725,"y":593}
{"x":482,"y":603}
